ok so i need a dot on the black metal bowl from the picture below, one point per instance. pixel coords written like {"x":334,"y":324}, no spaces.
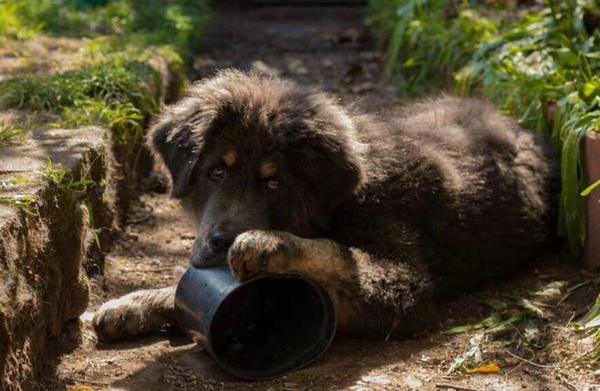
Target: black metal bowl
{"x":258,"y":329}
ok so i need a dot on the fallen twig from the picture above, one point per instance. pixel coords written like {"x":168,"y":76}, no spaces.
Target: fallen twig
{"x":453,"y":387}
{"x":508,"y":373}
{"x":93,"y":382}
{"x":532,"y":362}
{"x":596,"y":346}
{"x":565,"y":297}
{"x":568,"y":385}
{"x":158,"y":270}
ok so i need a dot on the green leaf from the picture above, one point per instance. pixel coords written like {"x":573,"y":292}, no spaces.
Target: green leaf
{"x":507,"y":325}
{"x":530,"y":330}
{"x":553,"y":288}
{"x":590,"y":188}
{"x":528,"y":305}
{"x":589,"y":88}
{"x":593,"y":313}
{"x":472,"y":356}
{"x":487,"y":322}
{"x":20,"y":180}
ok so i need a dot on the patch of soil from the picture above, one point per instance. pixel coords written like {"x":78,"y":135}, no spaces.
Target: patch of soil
{"x":328,"y":48}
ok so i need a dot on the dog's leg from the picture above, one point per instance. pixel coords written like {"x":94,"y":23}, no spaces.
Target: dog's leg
{"x":372,"y":296}
{"x":138,"y":313}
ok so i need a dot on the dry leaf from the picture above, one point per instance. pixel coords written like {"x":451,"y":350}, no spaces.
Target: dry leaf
{"x":79,"y":388}
{"x":487,"y":368}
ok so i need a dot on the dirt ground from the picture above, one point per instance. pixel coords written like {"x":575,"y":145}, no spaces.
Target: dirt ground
{"x":329,"y":48}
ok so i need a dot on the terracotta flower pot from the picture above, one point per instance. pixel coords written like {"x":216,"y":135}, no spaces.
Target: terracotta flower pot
{"x":591,"y":252}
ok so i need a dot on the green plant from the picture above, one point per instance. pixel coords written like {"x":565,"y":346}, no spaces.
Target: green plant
{"x":24,"y":202}
{"x":10,"y":135}
{"x":544,"y":71}
{"x":123,"y":117}
{"x":115,"y":85}
{"x":95,"y":231}
{"x":514,"y":318}
{"x":12,"y":24}
{"x":119,"y":79}
{"x":115,"y":93}
{"x":179,"y":23}
{"x":59,"y":175}
{"x":589,"y":324}
{"x":541,"y":68}
{"x":69,"y":189}
{"x":512,"y":314}
{"x":591,"y":187}
{"x":424,"y":48}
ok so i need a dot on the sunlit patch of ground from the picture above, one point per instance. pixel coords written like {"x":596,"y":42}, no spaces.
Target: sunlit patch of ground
{"x":40,"y":55}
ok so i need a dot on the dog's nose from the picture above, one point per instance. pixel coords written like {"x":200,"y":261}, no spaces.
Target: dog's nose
{"x":220,"y":241}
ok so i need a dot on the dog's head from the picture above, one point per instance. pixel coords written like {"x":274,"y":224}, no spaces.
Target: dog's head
{"x":255,"y":152}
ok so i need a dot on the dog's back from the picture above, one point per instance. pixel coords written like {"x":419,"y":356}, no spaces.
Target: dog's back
{"x":455,"y":184}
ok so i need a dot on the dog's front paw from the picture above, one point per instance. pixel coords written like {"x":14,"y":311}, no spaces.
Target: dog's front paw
{"x":255,"y":253}
{"x":135,"y":314}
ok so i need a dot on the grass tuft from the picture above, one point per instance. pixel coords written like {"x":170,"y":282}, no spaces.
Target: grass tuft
{"x":10,"y":135}
{"x":24,"y":202}
{"x":118,"y":80}
{"x":58,"y":174}
{"x":116,"y":93}
{"x":424,"y":46}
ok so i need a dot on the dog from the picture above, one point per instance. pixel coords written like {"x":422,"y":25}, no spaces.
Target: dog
{"x":392,"y":215}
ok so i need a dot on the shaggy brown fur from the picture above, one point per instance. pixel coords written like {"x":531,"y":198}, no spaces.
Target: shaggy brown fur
{"x":389,"y":214}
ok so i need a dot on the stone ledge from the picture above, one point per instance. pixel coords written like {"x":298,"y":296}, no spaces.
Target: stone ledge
{"x":48,"y":249}
{"x":42,"y":255}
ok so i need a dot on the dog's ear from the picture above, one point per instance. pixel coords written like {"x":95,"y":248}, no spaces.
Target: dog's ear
{"x":177,"y":137}
{"x":331,"y":174}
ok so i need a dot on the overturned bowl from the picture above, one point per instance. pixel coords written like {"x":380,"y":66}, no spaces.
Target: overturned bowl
{"x":257,"y":329}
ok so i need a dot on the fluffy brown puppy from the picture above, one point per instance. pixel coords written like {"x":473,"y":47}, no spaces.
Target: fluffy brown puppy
{"x":391,"y":215}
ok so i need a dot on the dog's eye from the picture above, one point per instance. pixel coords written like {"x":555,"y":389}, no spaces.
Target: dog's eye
{"x":217,"y":173}
{"x":273,"y":184}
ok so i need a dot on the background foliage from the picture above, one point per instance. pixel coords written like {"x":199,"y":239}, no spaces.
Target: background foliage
{"x":179,"y":23}
{"x":539,"y":63}
{"x":112,"y":82}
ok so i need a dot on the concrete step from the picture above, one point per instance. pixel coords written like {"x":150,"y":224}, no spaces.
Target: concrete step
{"x":45,"y":244}
{"x":63,"y":193}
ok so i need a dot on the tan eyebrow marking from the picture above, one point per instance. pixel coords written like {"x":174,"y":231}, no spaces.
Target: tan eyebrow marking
{"x":267,"y":169}
{"x":229,"y":158}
